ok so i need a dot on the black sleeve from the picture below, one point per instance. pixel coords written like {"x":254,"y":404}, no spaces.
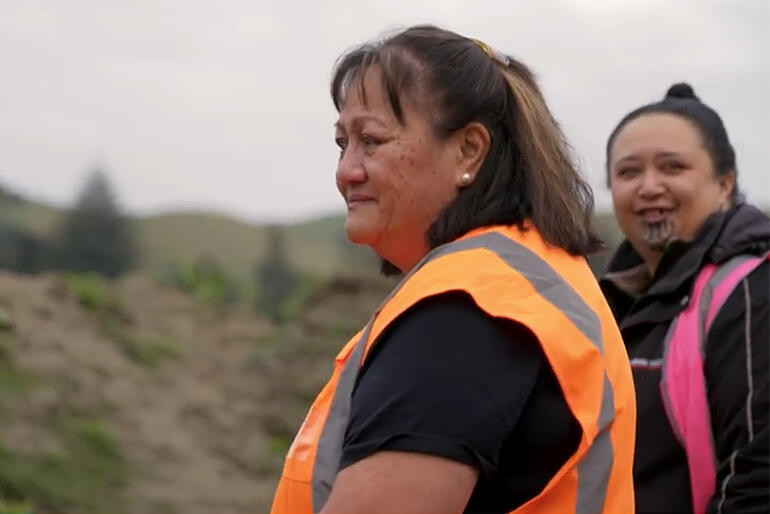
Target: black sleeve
{"x":737,"y":374}
{"x":445,"y":380}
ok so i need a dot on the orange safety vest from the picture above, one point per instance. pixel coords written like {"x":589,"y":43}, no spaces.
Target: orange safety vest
{"x":514,"y":274}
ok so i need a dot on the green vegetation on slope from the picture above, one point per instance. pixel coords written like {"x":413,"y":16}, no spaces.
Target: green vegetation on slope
{"x":89,"y":472}
{"x":148,"y":351}
{"x":11,"y":379}
{"x":92,"y":291}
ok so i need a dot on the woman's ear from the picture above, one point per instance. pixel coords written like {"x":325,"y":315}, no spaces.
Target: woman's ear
{"x":726,"y":186}
{"x":473,"y":142}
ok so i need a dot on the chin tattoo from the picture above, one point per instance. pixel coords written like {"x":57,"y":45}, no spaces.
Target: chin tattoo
{"x":657,"y":236}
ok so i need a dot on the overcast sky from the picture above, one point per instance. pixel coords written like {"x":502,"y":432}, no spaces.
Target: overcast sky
{"x":224,"y":105}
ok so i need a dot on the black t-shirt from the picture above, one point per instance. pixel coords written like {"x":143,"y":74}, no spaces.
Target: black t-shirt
{"x":446,"y":379}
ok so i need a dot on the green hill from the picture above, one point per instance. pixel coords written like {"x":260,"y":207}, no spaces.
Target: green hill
{"x":35,"y":217}
{"x":315,"y":247}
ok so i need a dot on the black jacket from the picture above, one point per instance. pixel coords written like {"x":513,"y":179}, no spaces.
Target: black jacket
{"x":736,"y":366}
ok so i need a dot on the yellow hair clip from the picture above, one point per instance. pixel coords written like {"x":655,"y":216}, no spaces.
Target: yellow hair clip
{"x":493,"y":54}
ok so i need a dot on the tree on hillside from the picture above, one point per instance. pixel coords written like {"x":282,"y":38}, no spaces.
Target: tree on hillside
{"x":8,"y":196}
{"x":274,"y":276}
{"x":21,"y":250}
{"x":95,"y":235}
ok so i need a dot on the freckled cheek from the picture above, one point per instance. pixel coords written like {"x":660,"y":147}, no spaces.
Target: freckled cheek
{"x":400,"y":175}
{"x":404,"y":199}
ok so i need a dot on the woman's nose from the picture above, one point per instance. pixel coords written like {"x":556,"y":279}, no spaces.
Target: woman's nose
{"x":350,"y":169}
{"x":651,"y":184}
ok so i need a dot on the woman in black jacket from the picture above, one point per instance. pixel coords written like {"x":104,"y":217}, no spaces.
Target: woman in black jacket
{"x":672,"y":173}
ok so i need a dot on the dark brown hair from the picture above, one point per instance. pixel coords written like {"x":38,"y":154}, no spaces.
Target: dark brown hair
{"x":528,"y":172}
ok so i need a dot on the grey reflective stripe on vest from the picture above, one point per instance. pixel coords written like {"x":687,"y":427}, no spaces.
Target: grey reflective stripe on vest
{"x":722,"y":271}
{"x":543,"y":278}
{"x":593,"y":470}
{"x":595,"y":467}
{"x":329,"y":451}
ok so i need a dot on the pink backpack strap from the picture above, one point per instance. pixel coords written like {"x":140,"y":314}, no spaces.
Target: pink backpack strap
{"x":683,"y":384}
{"x":725,"y":280}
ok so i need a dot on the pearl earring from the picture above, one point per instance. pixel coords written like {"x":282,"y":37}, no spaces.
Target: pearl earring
{"x":465,"y":179}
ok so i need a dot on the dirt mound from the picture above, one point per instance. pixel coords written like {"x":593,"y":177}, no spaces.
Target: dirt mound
{"x":161,"y":403}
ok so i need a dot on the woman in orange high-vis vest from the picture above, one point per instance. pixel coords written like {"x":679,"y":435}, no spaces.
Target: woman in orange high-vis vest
{"x":493,"y":377}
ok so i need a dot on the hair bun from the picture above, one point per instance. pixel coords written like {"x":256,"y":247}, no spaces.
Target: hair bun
{"x":681,"y":90}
